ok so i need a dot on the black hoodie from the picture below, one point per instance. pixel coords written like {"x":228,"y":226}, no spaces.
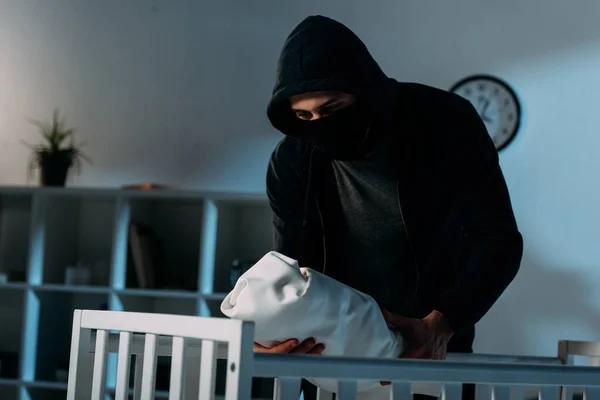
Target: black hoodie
{"x":452,"y":193}
{"x":322,"y":54}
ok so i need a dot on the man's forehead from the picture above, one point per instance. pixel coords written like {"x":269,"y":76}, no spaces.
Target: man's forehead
{"x":311,"y":100}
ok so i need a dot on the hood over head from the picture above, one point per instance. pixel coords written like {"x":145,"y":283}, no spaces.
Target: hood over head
{"x":322,"y":54}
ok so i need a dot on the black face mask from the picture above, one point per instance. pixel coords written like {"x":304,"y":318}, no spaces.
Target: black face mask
{"x":344,"y":135}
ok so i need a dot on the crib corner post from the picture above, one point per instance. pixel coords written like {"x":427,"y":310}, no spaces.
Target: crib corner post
{"x":240,"y":356}
{"x":81,"y":365}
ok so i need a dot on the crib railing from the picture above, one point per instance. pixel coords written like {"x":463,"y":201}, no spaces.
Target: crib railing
{"x":451,"y":373}
{"x":206,"y":339}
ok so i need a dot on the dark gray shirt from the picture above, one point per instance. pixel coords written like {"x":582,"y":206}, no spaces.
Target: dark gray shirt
{"x":373,"y":246}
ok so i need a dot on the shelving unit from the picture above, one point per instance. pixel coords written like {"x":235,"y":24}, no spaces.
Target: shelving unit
{"x":45,"y":231}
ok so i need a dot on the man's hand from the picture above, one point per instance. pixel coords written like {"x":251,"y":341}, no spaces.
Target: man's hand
{"x":426,"y":338}
{"x":292,"y":346}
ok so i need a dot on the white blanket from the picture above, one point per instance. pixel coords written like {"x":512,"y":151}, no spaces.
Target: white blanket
{"x":288,"y":302}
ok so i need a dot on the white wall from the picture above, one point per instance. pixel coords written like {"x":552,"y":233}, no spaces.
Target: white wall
{"x":175,"y":91}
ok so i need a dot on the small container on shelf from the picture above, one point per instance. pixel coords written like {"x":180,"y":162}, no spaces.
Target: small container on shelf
{"x":79,"y":237}
{"x":238,"y":268}
{"x":15,"y":223}
{"x":244,"y":234}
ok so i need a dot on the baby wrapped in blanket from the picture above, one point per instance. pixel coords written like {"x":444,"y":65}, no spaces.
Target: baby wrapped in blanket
{"x":286,"y":301}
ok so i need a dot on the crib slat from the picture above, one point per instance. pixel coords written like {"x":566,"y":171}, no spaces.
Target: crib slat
{"x":208,"y":360}
{"x":286,"y":388}
{"x":347,"y":390}
{"x":137,"y":378}
{"x":98,"y":379}
{"x":192,"y":373}
{"x":517,"y":392}
{"x":149,"y":368}
{"x":501,"y":392}
{"x":122,"y":388}
{"x":324,"y":394}
{"x":591,"y":393}
{"x":566,"y":393}
{"x":452,"y":391}
{"x":401,"y":391}
{"x":549,"y":393}
{"x":177,"y":369}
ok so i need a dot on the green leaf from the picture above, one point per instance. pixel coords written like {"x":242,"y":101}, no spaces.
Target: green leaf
{"x":57,"y":139}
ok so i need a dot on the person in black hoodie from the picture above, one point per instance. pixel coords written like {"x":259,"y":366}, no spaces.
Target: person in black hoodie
{"x":392,"y":188}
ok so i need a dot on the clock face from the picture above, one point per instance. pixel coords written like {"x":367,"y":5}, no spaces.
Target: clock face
{"x":496,"y":103}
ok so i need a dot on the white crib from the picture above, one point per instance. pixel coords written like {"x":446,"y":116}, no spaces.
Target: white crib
{"x":195,"y":343}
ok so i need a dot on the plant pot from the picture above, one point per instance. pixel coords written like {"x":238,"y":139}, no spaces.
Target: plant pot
{"x":54,"y":169}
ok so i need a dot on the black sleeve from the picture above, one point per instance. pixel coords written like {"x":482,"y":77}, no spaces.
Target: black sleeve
{"x":485,"y":210}
{"x":294,"y":235}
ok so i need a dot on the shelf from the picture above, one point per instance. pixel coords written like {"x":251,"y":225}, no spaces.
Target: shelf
{"x":11,"y":323}
{"x":54,"y":333}
{"x":215,"y":296}
{"x":159,"y":293}
{"x":169,"y":234}
{"x":244,"y":233}
{"x":78,"y":233}
{"x":15,"y":221}
{"x":47,"y":385}
{"x":13,"y":286}
{"x":46,"y":231}
{"x":113,"y":192}
{"x":50,"y":287}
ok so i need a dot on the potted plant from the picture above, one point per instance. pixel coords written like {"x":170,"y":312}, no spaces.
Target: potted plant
{"x":57,"y":154}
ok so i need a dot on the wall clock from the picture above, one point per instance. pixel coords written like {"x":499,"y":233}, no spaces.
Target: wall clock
{"x":497,"y":105}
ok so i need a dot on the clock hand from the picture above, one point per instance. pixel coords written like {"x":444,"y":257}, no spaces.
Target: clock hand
{"x":485,"y":107}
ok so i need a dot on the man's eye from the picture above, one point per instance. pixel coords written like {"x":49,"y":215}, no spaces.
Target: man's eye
{"x":303,"y":115}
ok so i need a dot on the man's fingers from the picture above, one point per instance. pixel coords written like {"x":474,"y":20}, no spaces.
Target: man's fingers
{"x":318,"y":349}
{"x":279,"y":348}
{"x":388,"y":316}
{"x":396,"y":320}
{"x":304,"y":347}
{"x":285,"y":347}
{"x":292,"y":346}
